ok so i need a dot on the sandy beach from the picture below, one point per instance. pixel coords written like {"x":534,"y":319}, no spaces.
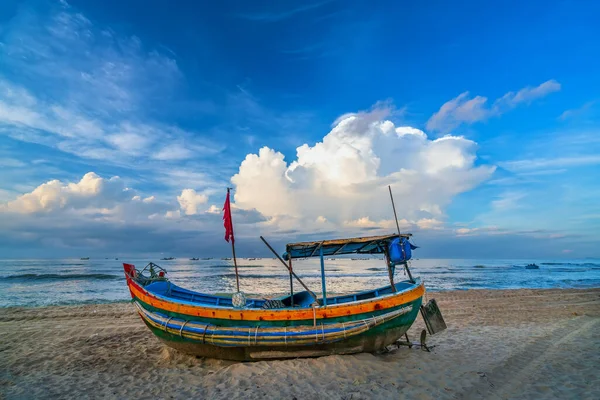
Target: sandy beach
{"x":500,"y":344}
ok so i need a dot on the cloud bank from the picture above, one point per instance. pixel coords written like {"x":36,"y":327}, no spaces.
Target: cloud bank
{"x":342,"y":181}
{"x":337,"y":186}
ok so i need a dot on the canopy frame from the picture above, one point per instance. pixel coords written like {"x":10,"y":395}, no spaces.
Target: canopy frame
{"x":358,"y":245}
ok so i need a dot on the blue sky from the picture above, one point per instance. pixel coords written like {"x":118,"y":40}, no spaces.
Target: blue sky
{"x":122,"y":123}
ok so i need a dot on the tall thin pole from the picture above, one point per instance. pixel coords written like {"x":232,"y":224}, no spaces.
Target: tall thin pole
{"x":389,"y":267}
{"x":394,"y":208}
{"x":399,"y":234}
{"x":237,"y":278}
{"x":291,"y":284}
{"x":323,"y":275}
{"x":314,"y":296}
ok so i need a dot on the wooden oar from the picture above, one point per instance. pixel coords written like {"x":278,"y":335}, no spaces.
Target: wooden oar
{"x":314,"y":296}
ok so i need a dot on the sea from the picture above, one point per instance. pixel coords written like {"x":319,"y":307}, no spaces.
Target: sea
{"x":33,"y":283}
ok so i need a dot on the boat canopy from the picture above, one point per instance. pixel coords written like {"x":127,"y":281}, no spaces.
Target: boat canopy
{"x":359,"y":245}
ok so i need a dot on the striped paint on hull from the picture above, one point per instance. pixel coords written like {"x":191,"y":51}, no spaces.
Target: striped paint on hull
{"x":370,"y":341}
{"x":216,"y":335}
{"x":285,"y":315}
{"x":165,"y":318}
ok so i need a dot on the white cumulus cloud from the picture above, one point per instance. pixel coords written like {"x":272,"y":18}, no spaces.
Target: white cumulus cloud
{"x":343,"y":179}
{"x":190,"y":201}
{"x":91,"y":190}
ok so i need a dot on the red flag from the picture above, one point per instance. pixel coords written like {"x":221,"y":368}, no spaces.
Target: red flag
{"x":227,"y":221}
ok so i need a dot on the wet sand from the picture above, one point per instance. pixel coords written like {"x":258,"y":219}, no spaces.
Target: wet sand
{"x":500,"y":344}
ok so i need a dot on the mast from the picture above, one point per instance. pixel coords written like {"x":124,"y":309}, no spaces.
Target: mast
{"x":237,"y":277}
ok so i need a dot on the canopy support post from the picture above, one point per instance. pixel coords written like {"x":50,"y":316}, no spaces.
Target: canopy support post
{"x":291,"y":284}
{"x":323,"y":276}
{"x":410,"y":278}
{"x":389,"y":268}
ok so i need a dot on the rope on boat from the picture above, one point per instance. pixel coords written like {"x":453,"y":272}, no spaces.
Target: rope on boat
{"x":181,"y":329}
{"x":167,"y":323}
{"x":224,"y":339}
{"x":204,"y":334}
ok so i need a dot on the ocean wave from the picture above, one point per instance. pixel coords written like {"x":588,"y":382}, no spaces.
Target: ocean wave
{"x":61,"y":277}
{"x":284,"y":275}
{"x":435,"y":272}
{"x":570,"y":269}
{"x":231,"y":266}
{"x":587,"y":264}
{"x":461,"y":268}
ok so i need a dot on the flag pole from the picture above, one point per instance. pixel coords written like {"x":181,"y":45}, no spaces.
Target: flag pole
{"x":237,"y":278}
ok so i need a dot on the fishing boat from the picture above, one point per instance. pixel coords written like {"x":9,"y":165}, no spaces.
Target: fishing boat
{"x":300,"y":324}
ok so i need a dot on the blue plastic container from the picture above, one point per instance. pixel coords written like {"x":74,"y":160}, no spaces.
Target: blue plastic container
{"x":399,"y":251}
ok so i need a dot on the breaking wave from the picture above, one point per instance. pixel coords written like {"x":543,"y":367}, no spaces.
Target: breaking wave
{"x":61,"y":277}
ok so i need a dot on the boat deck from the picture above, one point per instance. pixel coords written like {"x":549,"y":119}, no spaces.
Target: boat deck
{"x":300,"y":300}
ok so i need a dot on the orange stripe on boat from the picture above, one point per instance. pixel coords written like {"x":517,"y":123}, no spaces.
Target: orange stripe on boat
{"x":332,"y":311}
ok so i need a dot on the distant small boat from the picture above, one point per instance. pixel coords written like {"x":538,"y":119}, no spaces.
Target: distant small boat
{"x":168,"y":258}
{"x":194,"y":259}
{"x":532,"y":266}
{"x":225,"y":258}
{"x":251,"y":259}
{"x":206,"y":258}
{"x":84,"y":258}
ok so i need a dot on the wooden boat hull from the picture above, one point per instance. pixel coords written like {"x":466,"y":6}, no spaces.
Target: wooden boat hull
{"x":252,"y":334}
{"x":373,"y":340}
